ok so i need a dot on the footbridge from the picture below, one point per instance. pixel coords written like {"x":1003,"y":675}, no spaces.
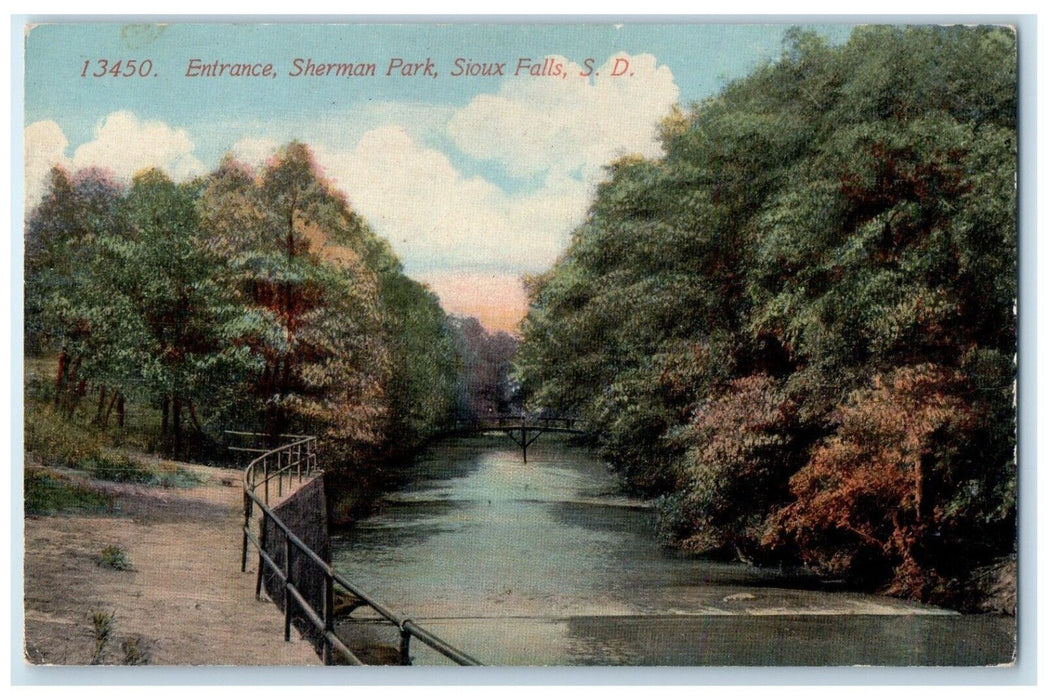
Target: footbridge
{"x":521,"y":428}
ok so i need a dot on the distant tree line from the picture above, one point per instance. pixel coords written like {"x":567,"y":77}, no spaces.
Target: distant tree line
{"x":487,"y":385}
{"x":797,"y":327}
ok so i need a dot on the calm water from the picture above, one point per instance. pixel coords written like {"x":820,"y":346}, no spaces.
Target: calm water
{"x":546,"y":563}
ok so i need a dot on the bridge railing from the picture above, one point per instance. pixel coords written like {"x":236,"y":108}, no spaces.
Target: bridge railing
{"x":508,"y":421}
{"x":297,"y":459}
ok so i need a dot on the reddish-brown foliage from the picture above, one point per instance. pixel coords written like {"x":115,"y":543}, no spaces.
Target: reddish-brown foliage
{"x":871,"y":495}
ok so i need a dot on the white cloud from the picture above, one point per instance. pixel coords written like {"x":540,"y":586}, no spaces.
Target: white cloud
{"x":537,"y":124}
{"x":45,"y":146}
{"x":254,"y":151}
{"x":563,"y":131}
{"x":125,"y":144}
{"x":437,"y":218}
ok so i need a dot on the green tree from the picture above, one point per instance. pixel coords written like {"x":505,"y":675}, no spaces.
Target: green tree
{"x":841,"y":215}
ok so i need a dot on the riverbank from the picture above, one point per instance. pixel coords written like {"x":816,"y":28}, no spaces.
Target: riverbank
{"x":165,"y":564}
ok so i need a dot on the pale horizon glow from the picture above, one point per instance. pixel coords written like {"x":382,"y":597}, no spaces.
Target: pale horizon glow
{"x":497,"y":300}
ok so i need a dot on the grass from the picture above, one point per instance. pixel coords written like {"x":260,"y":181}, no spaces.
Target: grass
{"x":47,"y":494}
{"x":125,"y":470}
{"x":115,"y":557}
{"x":136,"y":651}
{"x":57,"y":442}
{"x":103,"y":624}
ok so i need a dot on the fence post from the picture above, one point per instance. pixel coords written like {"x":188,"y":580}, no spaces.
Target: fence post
{"x":287,"y":587}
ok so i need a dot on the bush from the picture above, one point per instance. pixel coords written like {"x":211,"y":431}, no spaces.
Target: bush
{"x":871,"y":502}
{"x":136,"y":651}
{"x":115,"y":557}
{"x":56,"y":442}
{"x":47,"y":494}
{"x":102,"y":623}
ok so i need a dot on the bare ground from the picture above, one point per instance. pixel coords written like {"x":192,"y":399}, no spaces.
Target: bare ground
{"x":184,"y":602}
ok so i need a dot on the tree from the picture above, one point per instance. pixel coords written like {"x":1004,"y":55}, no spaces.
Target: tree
{"x":843,"y":214}
{"x":486,"y":388}
{"x":186,"y":303}
{"x":882,"y":498}
{"x":70,"y":306}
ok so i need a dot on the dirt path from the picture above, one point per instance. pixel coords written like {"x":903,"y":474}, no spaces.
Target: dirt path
{"x":184,"y":602}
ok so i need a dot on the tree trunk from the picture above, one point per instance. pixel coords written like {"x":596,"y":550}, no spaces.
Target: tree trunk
{"x":165,"y":404}
{"x":120,"y":411}
{"x":101,"y":405}
{"x":69,"y":387}
{"x":79,"y":392}
{"x":63,"y":365}
{"x":193,"y":416}
{"x":109,"y":408}
{"x":176,"y":423}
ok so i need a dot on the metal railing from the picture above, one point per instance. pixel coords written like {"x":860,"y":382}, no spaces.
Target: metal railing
{"x":516,"y":421}
{"x":521,"y":428}
{"x":297,"y":459}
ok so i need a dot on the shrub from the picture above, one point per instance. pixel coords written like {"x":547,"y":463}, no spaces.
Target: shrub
{"x":103,"y":624}
{"x":136,"y":651}
{"x":870,"y":502}
{"x":47,"y":494}
{"x":739,"y":457}
{"x":115,"y":557}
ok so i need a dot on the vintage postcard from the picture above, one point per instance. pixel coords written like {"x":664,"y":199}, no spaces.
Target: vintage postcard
{"x":683,"y":344}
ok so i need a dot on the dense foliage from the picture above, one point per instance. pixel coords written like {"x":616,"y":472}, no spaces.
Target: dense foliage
{"x":798,"y":326}
{"x":486,"y":386}
{"x":243,"y":299}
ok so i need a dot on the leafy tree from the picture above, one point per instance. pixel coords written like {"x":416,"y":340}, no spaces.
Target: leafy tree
{"x":349,"y":348}
{"x":885,"y":497}
{"x":424,"y":372}
{"x":184,"y":300}
{"x":828,"y":243}
{"x":71,"y":308}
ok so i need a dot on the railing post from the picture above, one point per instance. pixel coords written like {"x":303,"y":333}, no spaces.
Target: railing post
{"x":405,"y":645}
{"x":287,"y":587}
{"x":280,"y":474}
{"x":329,"y":614}
{"x":524,"y":438}
{"x":265,"y":467}
{"x":247,"y":525}
{"x":261,"y":561}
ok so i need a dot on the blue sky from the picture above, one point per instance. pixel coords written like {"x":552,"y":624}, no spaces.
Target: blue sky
{"x":475,"y":181}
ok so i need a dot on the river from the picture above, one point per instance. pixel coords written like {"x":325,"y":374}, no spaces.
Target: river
{"x":546,"y":563}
